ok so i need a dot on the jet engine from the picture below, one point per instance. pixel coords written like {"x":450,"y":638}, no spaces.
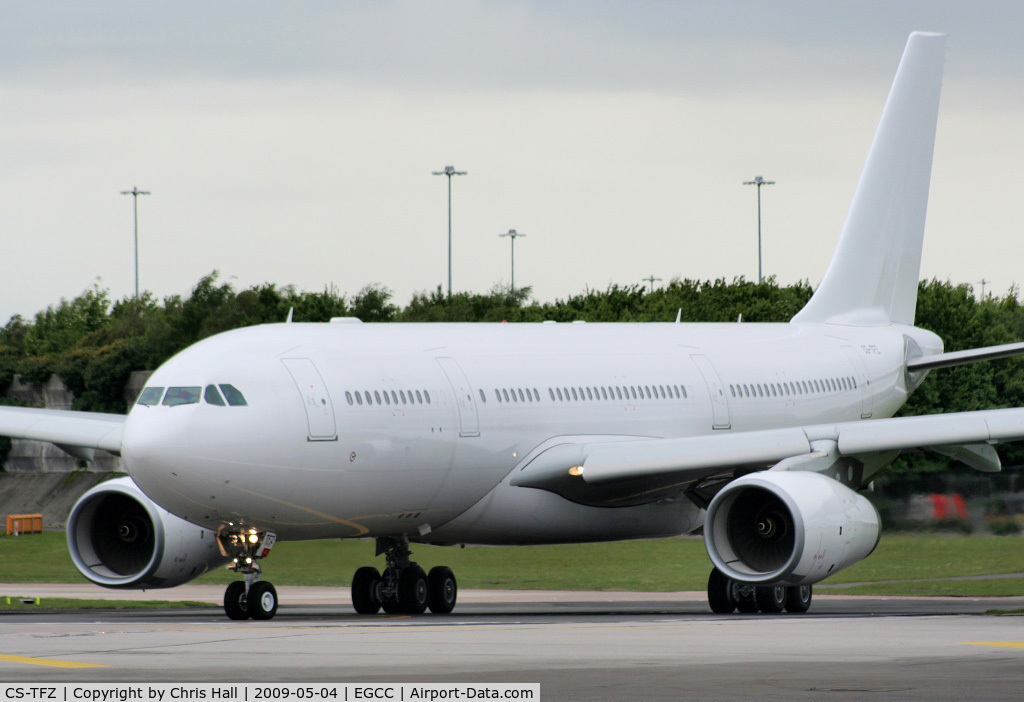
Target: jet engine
{"x":788,"y":528}
{"x":119,"y":538}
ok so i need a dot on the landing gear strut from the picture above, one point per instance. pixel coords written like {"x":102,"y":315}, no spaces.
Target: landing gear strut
{"x":250,"y":597}
{"x":726,"y":595}
{"x":403,"y":588}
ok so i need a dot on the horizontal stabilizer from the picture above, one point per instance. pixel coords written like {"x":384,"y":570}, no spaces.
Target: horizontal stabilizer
{"x":958,"y":358}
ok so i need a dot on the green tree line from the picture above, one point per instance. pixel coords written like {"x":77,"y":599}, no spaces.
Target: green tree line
{"x":93,"y":343}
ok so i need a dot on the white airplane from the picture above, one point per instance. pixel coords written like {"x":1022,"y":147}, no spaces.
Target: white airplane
{"x":763,"y":434}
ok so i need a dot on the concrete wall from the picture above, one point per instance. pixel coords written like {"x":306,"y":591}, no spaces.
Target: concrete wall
{"x":50,"y":494}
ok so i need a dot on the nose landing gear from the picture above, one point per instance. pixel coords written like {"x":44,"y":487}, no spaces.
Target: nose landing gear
{"x":251,"y":597}
{"x":403,"y":588}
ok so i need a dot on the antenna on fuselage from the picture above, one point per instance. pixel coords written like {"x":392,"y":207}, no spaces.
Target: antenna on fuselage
{"x":679,"y":315}
{"x":291,"y":310}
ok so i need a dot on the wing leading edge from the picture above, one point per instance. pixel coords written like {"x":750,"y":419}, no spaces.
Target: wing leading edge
{"x":631,"y":472}
{"x":77,"y":433}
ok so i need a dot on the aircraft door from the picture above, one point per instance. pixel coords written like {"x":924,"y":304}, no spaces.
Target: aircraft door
{"x":469,"y":420}
{"x":719,"y":402}
{"x":315,"y":398}
{"x":861,"y":373}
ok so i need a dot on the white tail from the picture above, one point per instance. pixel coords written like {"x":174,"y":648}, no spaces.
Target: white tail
{"x":873,"y":276}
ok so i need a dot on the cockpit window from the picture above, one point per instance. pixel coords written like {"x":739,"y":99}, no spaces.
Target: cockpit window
{"x":182,"y":396}
{"x":151,"y":396}
{"x":234,"y":397}
{"x":212,"y":396}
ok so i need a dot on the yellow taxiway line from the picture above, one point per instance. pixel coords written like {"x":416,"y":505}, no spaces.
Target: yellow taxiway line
{"x":51,"y":662}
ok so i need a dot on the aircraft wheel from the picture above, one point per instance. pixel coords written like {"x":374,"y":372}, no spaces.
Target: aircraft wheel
{"x":442,"y":590}
{"x":413,"y":590}
{"x":798,"y":598}
{"x":771,"y":599}
{"x":262,"y":600}
{"x":720,"y":593}
{"x":234,"y":601}
{"x":366,"y":590}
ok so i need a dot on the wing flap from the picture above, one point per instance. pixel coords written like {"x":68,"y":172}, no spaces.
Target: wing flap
{"x":930,"y":430}
{"x":66,"y":428}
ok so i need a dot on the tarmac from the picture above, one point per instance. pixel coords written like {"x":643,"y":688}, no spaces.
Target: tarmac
{"x":576,"y":645}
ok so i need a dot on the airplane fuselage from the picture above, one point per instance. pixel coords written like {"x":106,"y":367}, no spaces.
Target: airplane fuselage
{"x":353,"y":430}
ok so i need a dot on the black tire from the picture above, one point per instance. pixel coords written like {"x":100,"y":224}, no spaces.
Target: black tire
{"x":366,"y":590}
{"x":413,"y":590}
{"x":234,"y":601}
{"x":798,"y":598}
{"x":720,"y":595}
{"x":262,"y":601}
{"x":443,"y":590}
{"x":771,"y":599}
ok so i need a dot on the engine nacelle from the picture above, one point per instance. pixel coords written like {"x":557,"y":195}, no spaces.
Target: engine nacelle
{"x":119,"y":538}
{"x":788,"y":528}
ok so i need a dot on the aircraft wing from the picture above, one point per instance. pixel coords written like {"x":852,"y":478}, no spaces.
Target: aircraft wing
{"x":632,"y":472}
{"x":78,"y":433}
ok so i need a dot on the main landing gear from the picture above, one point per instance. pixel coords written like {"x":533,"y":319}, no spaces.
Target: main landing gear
{"x":251,"y":597}
{"x":726,"y":595}
{"x":403,"y":588}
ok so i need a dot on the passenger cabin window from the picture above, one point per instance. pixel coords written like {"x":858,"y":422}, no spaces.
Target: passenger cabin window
{"x":182,"y":396}
{"x":151,"y":396}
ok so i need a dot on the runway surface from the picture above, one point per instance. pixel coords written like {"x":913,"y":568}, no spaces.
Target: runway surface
{"x":585,"y":646}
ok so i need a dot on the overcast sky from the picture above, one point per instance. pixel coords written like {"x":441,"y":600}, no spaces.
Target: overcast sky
{"x":293,"y":142}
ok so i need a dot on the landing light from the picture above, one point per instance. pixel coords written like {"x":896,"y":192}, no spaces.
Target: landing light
{"x":576,"y":471}
{"x":253,"y":538}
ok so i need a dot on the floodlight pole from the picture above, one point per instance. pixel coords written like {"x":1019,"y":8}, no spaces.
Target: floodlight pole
{"x":512,"y":234}
{"x":135,"y":192}
{"x":449,"y":171}
{"x":759,"y":181}
{"x":651,"y":280}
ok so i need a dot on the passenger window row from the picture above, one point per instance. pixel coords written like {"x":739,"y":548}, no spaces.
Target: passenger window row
{"x":792,"y":388}
{"x":387,"y":397}
{"x":592,"y":393}
{"x":190,"y":395}
{"x":506,"y":395}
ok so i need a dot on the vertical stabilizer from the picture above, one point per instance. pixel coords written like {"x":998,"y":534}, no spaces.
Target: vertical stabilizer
{"x":874,"y":272}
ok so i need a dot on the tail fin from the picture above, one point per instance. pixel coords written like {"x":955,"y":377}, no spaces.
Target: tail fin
{"x":873,"y":276}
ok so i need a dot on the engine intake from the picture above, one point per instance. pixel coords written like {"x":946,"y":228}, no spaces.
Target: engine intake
{"x":119,"y":538}
{"x":788,"y":528}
